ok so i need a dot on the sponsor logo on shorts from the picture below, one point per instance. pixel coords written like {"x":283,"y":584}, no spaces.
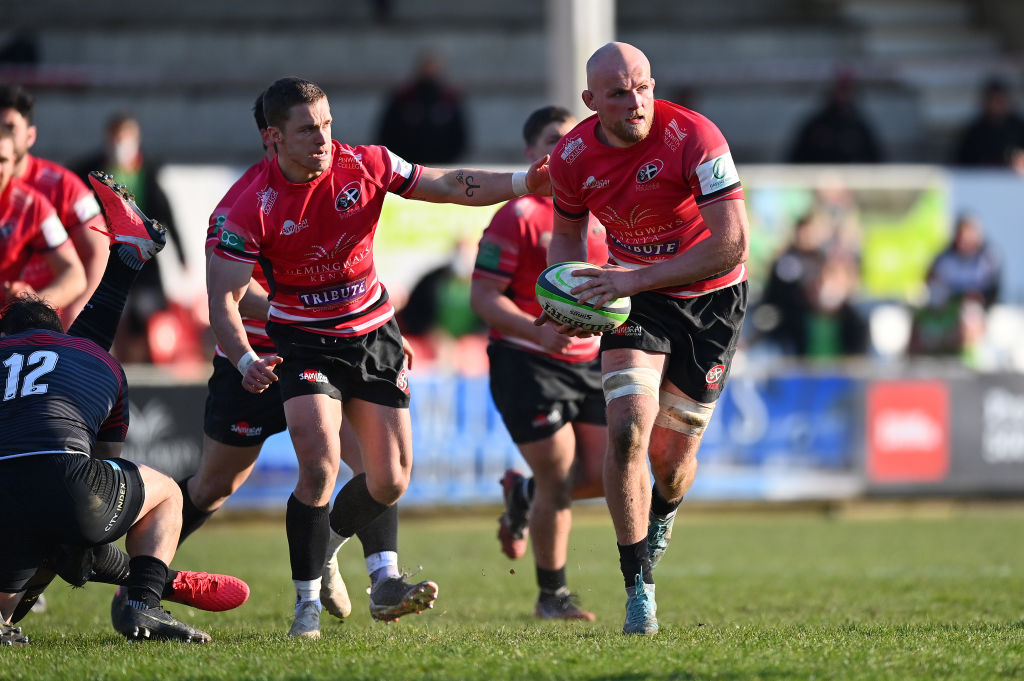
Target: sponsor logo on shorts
{"x":629,"y":330}
{"x":594,"y":183}
{"x":333,"y":296}
{"x":118,"y":508}
{"x":403,"y":380}
{"x":291,"y":227}
{"x":348,"y":197}
{"x":542,"y":420}
{"x":673,"y":135}
{"x":266,"y":197}
{"x":243,"y":428}
{"x":713,"y":376}
{"x":572,"y":149}
{"x":312,"y":376}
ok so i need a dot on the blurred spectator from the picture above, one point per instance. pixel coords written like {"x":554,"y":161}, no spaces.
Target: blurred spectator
{"x":963,"y":282}
{"x":838,"y":132}
{"x":121,"y":156}
{"x":22,"y":48}
{"x":423,"y":121}
{"x":996,"y":135}
{"x":438,"y":312}
{"x":967,"y":268}
{"x":807,"y":307}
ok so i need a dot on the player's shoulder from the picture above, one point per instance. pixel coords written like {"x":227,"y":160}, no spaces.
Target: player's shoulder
{"x":258,"y":194}
{"x":24,"y":196}
{"x":682,"y":125}
{"x":56,"y":340}
{"x":573,"y":144}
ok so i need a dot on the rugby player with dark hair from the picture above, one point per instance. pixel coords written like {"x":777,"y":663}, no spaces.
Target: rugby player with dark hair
{"x":237,"y":422}
{"x":61,"y":429}
{"x":309,"y":220}
{"x":30,"y":227}
{"x":547,"y":386}
{"x":76,"y":206}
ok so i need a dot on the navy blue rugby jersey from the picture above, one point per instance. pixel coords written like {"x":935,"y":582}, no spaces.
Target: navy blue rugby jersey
{"x":60,"y":394}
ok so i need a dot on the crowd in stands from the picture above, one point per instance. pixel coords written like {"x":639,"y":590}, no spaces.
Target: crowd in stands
{"x":810,"y":302}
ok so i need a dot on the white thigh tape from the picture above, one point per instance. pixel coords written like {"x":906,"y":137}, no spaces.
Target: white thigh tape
{"x":681,"y":414}
{"x":632,"y":381}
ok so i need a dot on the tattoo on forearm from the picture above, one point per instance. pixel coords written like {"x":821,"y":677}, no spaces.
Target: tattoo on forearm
{"x":466,"y":180}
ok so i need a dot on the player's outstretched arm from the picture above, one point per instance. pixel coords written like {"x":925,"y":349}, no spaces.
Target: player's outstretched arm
{"x":474,"y":187}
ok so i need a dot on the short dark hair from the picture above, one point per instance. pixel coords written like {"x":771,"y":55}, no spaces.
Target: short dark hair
{"x":15,"y":97}
{"x":540,"y":118}
{"x":26,"y":312}
{"x":257,"y":112}
{"x":285,"y":93}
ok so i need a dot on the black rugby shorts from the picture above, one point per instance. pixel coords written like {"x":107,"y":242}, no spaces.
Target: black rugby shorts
{"x":370,"y":367}
{"x":234,"y":416}
{"x":699,"y":335}
{"x":51,"y":499}
{"x":536,"y":395}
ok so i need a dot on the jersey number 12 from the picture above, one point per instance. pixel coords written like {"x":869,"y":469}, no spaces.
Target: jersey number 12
{"x":40,"y":363}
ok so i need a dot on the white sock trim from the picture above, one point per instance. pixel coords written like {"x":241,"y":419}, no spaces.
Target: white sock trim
{"x":383,"y":560}
{"x":308,"y":589}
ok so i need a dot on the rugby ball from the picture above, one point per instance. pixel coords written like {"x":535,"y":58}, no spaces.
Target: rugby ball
{"x":553,"y":293}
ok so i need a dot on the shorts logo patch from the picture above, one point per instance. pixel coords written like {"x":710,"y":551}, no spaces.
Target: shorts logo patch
{"x":542,"y":420}
{"x":121,"y":493}
{"x":312,"y":376}
{"x":403,"y":380}
{"x":243,"y":428}
{"x":629,"y":329}
{"x":713,"y":376}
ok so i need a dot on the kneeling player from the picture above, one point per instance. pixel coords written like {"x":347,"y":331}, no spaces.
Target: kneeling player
{"x":61,"y":434}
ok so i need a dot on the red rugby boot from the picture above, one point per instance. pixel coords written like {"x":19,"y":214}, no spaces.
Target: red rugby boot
{"x":126,"y":223}
{"x":207,"y":591}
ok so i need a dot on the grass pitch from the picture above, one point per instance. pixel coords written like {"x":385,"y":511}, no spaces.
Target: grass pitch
{"x":773,"y":595}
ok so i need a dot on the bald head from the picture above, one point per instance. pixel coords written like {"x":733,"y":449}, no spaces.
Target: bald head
{"x":612,"y":59}
{"x":621,"y":91}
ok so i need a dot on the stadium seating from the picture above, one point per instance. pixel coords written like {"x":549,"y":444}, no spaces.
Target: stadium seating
{"x":190,"y":69}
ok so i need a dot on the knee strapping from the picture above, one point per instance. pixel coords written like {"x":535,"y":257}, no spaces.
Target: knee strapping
{"x":631,"y":381}
{"x":682,"y":414}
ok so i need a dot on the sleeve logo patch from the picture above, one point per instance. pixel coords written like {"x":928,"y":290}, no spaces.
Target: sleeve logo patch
{"x":231,"y":241}
{"x":717,"y":173}
{"x":489,"y":256}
